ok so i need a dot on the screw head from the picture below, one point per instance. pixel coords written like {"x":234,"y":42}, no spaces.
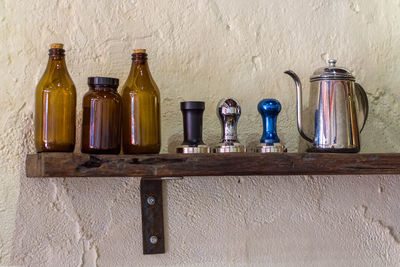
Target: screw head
{"x":151,"y":201}
{"x":153,"y":239}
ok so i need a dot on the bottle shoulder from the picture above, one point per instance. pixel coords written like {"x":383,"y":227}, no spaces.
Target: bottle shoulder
{"x":138,"y":81}
{"x":56,"y":81}
{"x":129,"y":89}
{"x":131,"y":92}
{"x":102,"y":95}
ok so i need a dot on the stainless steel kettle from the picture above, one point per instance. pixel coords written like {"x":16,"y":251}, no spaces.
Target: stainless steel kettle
{"x":340,"y":109}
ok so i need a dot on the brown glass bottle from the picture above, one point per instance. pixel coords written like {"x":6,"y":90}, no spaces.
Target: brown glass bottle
{"x":55,"y":106}
{"x":140,"y":109}
{"x":101,"y":124}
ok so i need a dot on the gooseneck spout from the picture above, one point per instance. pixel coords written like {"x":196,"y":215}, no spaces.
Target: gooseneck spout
{"x":299,"y":105}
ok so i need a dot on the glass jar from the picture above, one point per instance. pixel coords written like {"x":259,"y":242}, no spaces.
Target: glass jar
{"x":101,"y":124}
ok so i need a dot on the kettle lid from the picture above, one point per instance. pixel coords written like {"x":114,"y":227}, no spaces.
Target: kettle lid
{"x":332,"y":72}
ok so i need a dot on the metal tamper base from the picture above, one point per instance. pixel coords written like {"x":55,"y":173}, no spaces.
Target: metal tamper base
{"x":186,"y":149}
{"x":229,"y":148}
{"x":268,"y":148}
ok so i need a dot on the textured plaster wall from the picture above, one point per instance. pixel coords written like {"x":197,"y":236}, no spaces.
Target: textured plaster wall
{"x":203,"y":50}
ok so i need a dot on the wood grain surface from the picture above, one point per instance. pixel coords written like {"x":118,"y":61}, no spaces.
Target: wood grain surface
{"x":179,"y":165}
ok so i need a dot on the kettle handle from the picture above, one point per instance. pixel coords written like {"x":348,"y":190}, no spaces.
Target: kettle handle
{"x":363,"y":107}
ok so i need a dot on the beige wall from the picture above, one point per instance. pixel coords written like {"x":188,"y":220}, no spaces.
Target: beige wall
{"x":203,"y":50}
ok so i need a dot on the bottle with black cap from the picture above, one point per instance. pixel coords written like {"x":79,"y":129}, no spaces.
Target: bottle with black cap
{"x":192,"y":112}
{"x":101,"y":124}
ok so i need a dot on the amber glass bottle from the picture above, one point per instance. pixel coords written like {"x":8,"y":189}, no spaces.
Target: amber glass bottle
{"x":101,"y":124}
{"x":55,"y":106}
{"x":140,"y":109}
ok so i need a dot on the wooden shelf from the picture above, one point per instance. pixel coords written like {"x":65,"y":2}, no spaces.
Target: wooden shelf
{"x":173,"y":165}
{"x":179,"y":165}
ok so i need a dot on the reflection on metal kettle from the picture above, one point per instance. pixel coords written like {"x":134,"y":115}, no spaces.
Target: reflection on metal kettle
{"x":340,"y":108}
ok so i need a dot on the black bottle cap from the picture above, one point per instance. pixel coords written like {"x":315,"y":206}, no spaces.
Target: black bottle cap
{"x":106,"y":81}
{"x":192,"y":105}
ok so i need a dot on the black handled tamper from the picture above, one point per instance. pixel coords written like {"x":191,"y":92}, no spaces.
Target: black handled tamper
{"x":192,"y":113}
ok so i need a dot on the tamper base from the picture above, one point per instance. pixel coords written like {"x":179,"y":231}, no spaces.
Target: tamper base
{"x":229,"y":148}
{"x":185,"y":149}
{"x":271,"y":148}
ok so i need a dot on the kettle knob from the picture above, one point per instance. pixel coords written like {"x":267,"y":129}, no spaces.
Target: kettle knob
{"x":332,"y":63}
{"x":228,"y":112}
{"x":269,"y":109}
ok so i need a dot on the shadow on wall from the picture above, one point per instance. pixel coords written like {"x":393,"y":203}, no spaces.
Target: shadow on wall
{"x":280,"y":220}
{"x":174,"y":141}
{"x":63,"y":221}
{"x":84,"y":221}
{"x":252,"y":140}
{"x":308,"y":128}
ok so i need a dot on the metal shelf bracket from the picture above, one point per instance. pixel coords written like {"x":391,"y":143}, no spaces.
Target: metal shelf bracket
{"x":152,"y":216}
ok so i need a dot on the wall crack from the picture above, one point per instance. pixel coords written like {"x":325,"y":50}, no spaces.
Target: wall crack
{"x":389,"y":228}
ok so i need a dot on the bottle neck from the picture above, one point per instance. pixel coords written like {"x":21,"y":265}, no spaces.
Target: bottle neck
{"x":140,"y":67}
{"x":56,"y":61}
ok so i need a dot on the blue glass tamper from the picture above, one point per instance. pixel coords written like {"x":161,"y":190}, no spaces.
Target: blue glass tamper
{"x":228,"y":111}
{"x":269,"y":109}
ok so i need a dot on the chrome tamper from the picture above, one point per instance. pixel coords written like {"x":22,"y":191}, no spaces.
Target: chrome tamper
{"x":269,"y":110}
{"x":228,"y":111}
{"x":192,"y":112}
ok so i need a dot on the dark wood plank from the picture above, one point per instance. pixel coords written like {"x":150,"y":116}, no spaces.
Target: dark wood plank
{"x":170,"y":165}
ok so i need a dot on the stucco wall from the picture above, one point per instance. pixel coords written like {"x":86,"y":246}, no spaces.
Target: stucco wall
{"x":203,"y":50}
